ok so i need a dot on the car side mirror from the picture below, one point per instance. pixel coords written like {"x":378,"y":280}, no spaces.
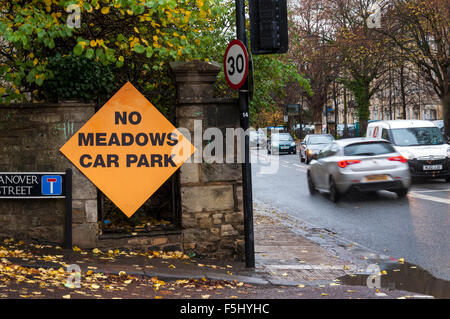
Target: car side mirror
{"x":303,"y":143}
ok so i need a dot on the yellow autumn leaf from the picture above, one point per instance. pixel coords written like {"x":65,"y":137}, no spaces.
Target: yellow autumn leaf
{"x":105,"y":10}
{"x":66,"y":296}
{"x":401,"y":260}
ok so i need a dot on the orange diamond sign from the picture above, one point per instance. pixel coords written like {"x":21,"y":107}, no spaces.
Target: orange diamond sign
{"x":128,"y":149}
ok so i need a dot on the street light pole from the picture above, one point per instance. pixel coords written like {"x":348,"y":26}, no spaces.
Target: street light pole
{"x":246,"y":167}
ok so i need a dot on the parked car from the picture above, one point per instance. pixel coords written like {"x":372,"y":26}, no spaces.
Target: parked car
{"x":351,"y":131}
{"x":358,"y":164}
{"x":420,"y":142}
{"x":313,"y":144}
{"x":258,"y":139}
{"x":281,"y":142}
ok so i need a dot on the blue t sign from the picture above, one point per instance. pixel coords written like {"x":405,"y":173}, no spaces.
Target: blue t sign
{"x":51,"y":185}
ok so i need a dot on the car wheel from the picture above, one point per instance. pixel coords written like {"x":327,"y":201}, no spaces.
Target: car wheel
{"x":401,"y":193}
{"x":311,"y":187}
{"x":334,"y":193}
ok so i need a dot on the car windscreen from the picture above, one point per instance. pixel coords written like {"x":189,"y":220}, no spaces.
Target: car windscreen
{"x":320,"y":139}
{"x":368,"y":149}
{"x":415,"y":136}
{"x":283,"y":137}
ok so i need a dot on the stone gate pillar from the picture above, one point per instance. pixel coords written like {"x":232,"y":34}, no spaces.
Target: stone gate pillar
{"x":211,"y":194}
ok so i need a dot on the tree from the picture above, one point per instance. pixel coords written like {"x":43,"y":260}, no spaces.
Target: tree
{"x":421,"y":30}
{"x":312,"y":49}
{"x":276,"y":83}
{"x":365,"y":52}
{"x":137,"y":37}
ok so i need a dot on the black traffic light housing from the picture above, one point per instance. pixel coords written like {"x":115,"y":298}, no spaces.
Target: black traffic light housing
{"x":268,"y":26}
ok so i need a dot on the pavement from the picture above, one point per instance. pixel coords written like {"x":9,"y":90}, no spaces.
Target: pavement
{"x":288,"y":265}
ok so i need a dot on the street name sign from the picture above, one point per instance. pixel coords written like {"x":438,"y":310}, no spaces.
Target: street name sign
{"x":128,"y":149}
{"x":32,"y":185}
{"x":235,"y":64}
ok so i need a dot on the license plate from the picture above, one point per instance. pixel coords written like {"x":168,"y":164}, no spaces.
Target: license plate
{"x":284,"y":147}
{"x":432,"y":167}
{"x":377,"y":178}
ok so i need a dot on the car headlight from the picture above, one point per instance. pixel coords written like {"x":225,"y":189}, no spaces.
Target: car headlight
{"x":310,"y":152}
{"x":275,"y":144}
{"x":293,"y":144}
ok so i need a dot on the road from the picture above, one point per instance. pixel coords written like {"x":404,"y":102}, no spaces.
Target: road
{"x":416,"y":228}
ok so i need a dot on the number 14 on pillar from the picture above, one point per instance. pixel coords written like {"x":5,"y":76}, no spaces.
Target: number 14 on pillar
{"x":235,"y":64}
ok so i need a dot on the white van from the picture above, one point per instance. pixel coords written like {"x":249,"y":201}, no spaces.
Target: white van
{"x":420,"y":142}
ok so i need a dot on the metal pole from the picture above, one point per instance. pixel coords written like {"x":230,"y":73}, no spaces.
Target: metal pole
{"x":246,"y":167}
{"x":68,"y":219}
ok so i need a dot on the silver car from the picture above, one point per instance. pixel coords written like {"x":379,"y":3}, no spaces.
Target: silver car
{"x":358,"y":164}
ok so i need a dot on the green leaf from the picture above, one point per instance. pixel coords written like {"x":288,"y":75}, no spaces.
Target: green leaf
{"x":89,"y":53}
{"x":78,"y":49}
{"x":139,"y":48}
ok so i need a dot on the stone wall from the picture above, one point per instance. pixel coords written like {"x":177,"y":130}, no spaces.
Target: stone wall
{"x":30,"y":138}
{"x":211,"y":194}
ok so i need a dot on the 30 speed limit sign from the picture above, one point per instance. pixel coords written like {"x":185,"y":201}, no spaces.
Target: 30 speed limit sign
{"x":235,"y":64}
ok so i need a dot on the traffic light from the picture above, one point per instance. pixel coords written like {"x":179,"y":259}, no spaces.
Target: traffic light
{"x":268,"y":26}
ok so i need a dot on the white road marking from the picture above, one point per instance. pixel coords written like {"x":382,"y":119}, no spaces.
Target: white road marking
{"x":309,"y":267}
{"x":431,"y":191}
{"x":430,"y":198}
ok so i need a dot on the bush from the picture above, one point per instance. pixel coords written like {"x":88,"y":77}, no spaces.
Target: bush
{"x":77,"y":77}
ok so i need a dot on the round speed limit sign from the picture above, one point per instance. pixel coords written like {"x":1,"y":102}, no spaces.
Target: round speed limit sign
{"x":235,"y":64}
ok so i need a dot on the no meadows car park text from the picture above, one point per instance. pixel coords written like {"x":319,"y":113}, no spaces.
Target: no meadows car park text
{"x":124,"y":140}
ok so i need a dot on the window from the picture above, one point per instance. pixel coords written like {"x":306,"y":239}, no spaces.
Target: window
{"x":320,"y":139}
{"x":416,"y":136}
{"x":368,"y":149}
{"x":329,"y":151}
{"x":385,"y":134}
